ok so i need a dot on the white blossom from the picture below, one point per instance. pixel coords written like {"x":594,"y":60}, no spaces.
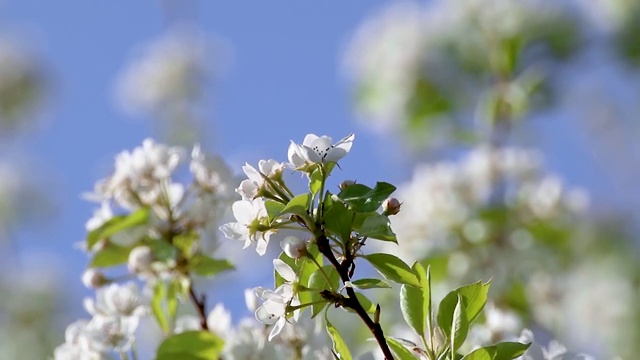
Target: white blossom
{"x":166,"y":73}
{"x":139,"y":175}
{"x":117,"y":300}
{"x":112,"y":332}
{"x":250,"y":216}
{"x":318,"y":150}
{"x":250,"y":187}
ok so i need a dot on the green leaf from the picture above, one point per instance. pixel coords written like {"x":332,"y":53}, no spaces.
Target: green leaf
{"x":367,"y":305}
{"x":392,"y":268}
{"x":117,"y":224}
{"x":318,"y":281}
{"x":483,"y":353}
{"x":364,"y":199}
{"x":315,"y":181}
{"x":411,"y":305}
{"x":368,"y":283}
{"x":186,"y":243}
{"x":359,"y":219}
{"x":274,"y":209}
{"x":377,"y":226}
{"x":299,"y":205}
{"x":195,"y":344}
{"x":510,"y":350}
{"x":162,"y":250}
{"x":474,"y":298}
{"x":205,"y":266}
{"x":459,"y":326}
{"x":401,"y":352}
{"x":338,"y":219}
{"x":172,"y":298}
{"x":339,"y":346}
{"x":306,"y":269}
{"x":110,"y":255}
{"x":159,"y":297}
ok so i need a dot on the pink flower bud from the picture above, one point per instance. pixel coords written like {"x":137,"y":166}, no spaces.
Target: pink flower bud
{"x":294,"y":247}
{"x":345,"y":184}
{"x":391,"y":206}
{"x":93,"y":278}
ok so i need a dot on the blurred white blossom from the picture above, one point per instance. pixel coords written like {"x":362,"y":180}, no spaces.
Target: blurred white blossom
{"x":166,"y":73}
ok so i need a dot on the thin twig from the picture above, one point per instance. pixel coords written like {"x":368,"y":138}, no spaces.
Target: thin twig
{"x":352,"y":301}
{"x":200,"y":306}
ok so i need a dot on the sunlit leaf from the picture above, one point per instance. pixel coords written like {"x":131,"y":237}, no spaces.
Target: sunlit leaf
{"x":299,"y":205}
{"x":392,"y":268}
{"x":203,"y":265}
{"x":364,"y":199}
{"x":368,"y":283}
{"x":339,"y":346}
{"x":117,"y":224}
{"x":194,"y":344}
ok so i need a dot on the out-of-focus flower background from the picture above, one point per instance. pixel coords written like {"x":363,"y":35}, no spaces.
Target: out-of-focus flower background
{"x":509,"y":127}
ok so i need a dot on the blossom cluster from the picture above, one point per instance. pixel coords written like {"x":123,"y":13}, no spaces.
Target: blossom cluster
{"x":426,"y":66}
{"x":116,"y":312}
{"x":163,"y":231}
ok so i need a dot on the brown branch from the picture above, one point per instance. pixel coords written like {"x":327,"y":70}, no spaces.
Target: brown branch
{"x":200,"y":306}
{"x":352,"y":301}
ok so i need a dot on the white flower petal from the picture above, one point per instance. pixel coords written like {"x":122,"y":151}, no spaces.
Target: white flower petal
{"x":277,"y":328}
{"x":284,"y":270}
{"x":235,"y":231}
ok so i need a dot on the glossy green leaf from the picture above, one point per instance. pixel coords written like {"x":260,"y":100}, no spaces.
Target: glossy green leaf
{"x":187,"y":243}
{"x":400,"y":350}
{"x":203,"y":265}
{"x":459,"y":326}
{"x":364,"y":199}
{"x":157,"y":302}
{"x":319,"y":282}
{"x":368,"y":283}
{"x":474,"y":298}
{"x":162,"y":250}
{"x":173,"y":292}
{"x":339,"y":346}
{"x":411,"y":305}
{"x":510,"y":350}
{"x":315,"y":181}
{"x":197,"y":344}
{"x":338,"y":219}
{"x":274,"y":209}
{"x":367,"y":305}
{"x":117,"y":224}
{"x":110,"y":255}
{"x":394,"y":269}
{"x":483,"y":353}
{"x":299,"y":205}
{"x":377,"y":226}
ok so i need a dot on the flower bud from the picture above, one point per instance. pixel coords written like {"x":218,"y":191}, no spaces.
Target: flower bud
{"x":345,"y":184}
{"x":140,"y":259}
{"x":391,"y":206}
{"x":93,"y":278}
{"x":294,"y":247}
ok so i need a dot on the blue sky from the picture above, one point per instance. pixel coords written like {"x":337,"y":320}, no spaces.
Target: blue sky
{"x":283,"y":80}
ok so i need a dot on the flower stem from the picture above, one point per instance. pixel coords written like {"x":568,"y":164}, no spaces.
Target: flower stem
{"x":199,"y":303}
{"x":326,"y":277}
{"x":352,"y":301}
